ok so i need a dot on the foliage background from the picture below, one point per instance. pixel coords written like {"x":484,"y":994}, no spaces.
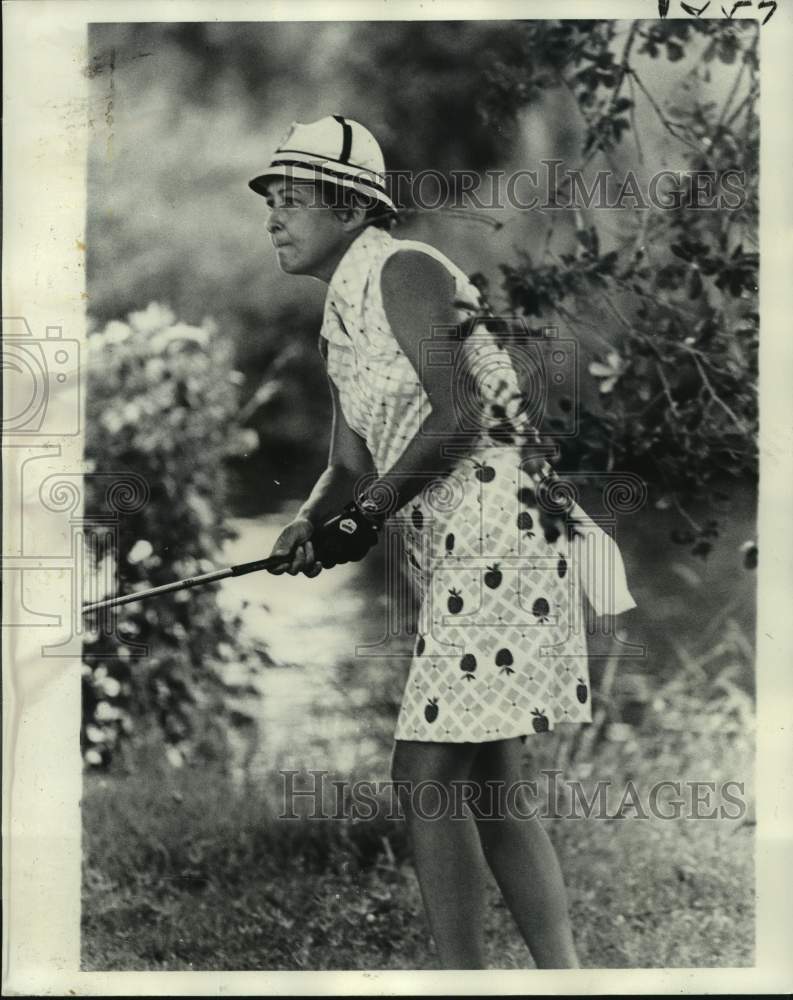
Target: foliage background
{"x":206,"y":381}
{"x":162,"y":404}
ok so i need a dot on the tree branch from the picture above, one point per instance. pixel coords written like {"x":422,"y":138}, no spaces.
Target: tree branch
{"x":714,"y":395}
{"x":669,"y":125}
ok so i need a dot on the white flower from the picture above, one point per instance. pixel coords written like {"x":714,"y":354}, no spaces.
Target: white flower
{"x":105,"y":712}
{"x":610,"y":372}
{"x":244,"y":442}
{"x":155,"y":368}
{"x":200,"y":508}
{"x":141,"y":550}
{"x":115,"y":332}
{"x":111,"y":687}
{"x":153,"y":317}
{"x":112,"y":420}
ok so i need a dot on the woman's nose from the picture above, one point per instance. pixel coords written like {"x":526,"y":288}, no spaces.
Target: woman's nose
{"x":274,"y":221}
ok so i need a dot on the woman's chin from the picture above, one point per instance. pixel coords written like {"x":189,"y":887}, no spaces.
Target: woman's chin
{"x":287,"y":262}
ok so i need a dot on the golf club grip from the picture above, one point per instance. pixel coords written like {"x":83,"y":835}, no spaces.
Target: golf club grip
{"x":253,"y":567}
{"x":272,"y":561}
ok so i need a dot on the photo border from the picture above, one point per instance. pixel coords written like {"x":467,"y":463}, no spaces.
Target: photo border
{"x":44,"y":159}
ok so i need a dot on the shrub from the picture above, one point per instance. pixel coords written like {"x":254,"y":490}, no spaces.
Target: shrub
{"x":162,"y":398}
{"x":673,"y":293}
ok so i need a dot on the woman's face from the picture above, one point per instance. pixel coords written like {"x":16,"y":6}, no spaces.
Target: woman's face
{"x":308,"y":237}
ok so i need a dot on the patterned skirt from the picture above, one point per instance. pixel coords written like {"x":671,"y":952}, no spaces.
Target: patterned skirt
{"x":501,"y":646}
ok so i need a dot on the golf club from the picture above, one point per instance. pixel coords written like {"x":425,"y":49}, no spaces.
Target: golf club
{"x":338,"y":530}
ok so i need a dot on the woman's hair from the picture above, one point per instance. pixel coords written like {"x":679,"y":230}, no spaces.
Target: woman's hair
{"x":378,"y":214}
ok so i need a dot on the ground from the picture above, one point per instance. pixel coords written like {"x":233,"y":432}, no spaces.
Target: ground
{"x":198,"y":886}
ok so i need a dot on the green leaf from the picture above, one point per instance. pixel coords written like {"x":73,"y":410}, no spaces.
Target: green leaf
{"x":694,"y":284}
{"x":674,"y":51}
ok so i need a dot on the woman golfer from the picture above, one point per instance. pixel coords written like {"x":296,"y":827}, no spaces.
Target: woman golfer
{"x":429,"y":431}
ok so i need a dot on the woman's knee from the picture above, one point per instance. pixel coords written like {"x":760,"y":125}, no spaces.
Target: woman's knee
{"x":499,"y":760}
{"x":496,"y":777}
{"x":415,"y":762}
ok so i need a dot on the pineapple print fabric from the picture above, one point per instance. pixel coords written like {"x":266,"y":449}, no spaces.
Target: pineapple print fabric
{"x":501,"y":649}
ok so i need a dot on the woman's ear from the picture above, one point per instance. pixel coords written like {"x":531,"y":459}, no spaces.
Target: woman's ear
{"x":351,"y":216}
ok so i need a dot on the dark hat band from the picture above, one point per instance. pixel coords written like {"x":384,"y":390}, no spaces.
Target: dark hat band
{"x":322,"y":170}
{"x":313,"y":156}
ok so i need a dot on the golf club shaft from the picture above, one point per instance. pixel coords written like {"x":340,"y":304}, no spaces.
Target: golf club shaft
{"x":191,"y":581}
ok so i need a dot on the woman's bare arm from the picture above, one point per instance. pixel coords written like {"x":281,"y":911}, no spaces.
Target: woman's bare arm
{"x":348,"y":460}
{"x":418,"y":294}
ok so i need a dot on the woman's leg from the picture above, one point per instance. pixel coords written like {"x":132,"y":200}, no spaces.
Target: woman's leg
{"x":447,"y":851}
{"x":523,"y":859}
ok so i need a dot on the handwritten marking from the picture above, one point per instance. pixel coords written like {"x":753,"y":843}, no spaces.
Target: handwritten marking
{"x":663,"y":9}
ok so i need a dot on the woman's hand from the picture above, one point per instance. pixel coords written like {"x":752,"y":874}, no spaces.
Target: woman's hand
{"x":294,"y":544}
{"x":348,"y":536}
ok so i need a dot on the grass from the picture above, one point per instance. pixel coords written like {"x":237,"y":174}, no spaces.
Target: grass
{"x":183,"y":873}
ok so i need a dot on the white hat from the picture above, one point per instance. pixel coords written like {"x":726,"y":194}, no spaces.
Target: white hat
{"x":335,"y":150}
